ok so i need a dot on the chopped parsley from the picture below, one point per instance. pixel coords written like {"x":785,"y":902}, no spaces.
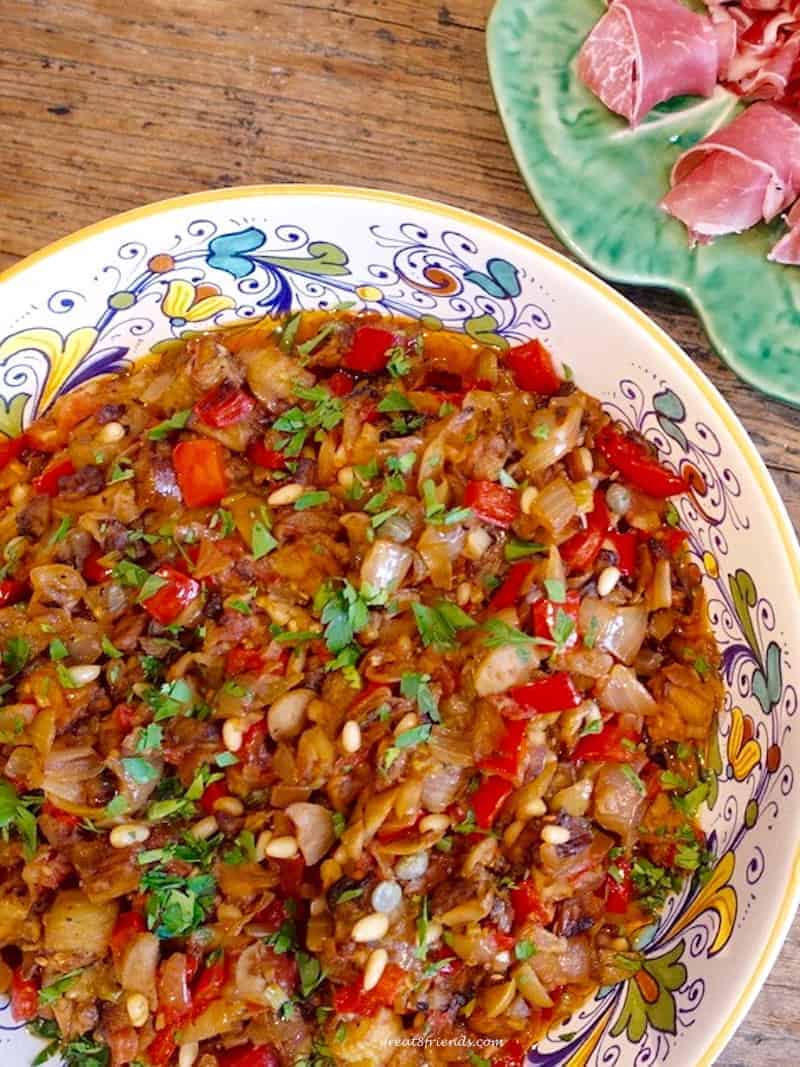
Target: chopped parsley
{"x":312,"y":500}
{"x":176,"y":906}
{"x":523,"y":950}
{"x":16,"y":654}
{"x":174,"y":422}
{"x":556,"y":590}
{"x":344,"y":612}
{"x":61,"y":531}
{"x":399,"y":364}
{"x":439,"y":624}
{"x":415,"y":687}
{"x":57,"y":649}
{"x":49,"y":994}
{"x":140,"y":770}
{"x":16,"y":813}
{"x":394,"y":400}
{"x":516,"y":549}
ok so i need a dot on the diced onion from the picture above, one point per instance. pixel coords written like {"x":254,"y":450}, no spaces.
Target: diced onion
{"x":557,"y":439}
{"x":623,"y":693}
{"x":555,"y":505}
{"x":385,"y":565}
{"x":616,"y":629}
{"x":314,"y":830}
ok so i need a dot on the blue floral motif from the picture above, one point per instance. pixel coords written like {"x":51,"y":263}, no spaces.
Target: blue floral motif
{"x":227,"y":252}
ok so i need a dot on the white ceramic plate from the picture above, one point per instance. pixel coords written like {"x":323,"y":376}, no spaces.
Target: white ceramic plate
{"x":107,"y":294}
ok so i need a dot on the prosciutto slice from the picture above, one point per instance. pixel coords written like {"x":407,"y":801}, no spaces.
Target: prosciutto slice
{"x":745,"y":172}
{"x":787,"y":250}
{"x":759,"y":47}
{"x":643,"y":52}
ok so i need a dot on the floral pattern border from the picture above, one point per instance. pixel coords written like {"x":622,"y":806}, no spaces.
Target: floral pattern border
{"x":212,"y":276}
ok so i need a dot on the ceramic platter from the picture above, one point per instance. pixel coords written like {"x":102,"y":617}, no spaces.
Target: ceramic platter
{"x":93,"y":302}
{"x":598,"y":184}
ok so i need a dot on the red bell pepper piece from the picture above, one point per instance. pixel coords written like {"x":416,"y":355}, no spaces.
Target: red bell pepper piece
{"x":161,"y":1048}
{"x":250,"y":1056}
{"x":526,"y":904}
{"x":11,"y":592}
{"x":273,"y":916}
{"x":488,"y":799}
{"x":557,"y":692}
{"x":66,"y":818}
{"x":93,"y":570}
{"x":208,"y":987}
{"x":513,"y":585}
{"x":546,"y":615}
{"x":369,"y":352}
{"x":258,"y":453}
{"x":625,"y":546}
{"x":581,"y":550}
{"x":241,"y":660}
{"x":636,"y":463}
{"x":674,"y":540}
{"x":605,"y":747}
{"x":507,"y":760}
{"x":24,"y":998}
{"x":618,"y":893}
{"x":11,"y":448}
{"x":512,"y":1054}
{"x":224,"y":406}
{"x":531,"y":367}
{"x":47,"y":482}
{"x":211,"y":794}
{"x":200,"y":469}
{"x":353,"y":1000}
{"x":166,"y":604}
{"x":290,"y":875}
{"x":492,"y":502}
{"x":126,"y":927}
{"x":125,"y":717}
{"x":340,"y":384}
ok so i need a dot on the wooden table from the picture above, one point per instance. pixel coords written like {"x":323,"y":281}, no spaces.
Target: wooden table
{"x":102,"y":109}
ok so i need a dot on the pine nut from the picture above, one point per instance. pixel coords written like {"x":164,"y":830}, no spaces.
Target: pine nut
{"x":346,"y":477}
{"x":287,"y":494}
{"x":478,"y":540}
{"x":111,"y":432}
{"x":263,"y":840}
{"x":534,"y":809}
{"x":188,"y":1054}
{"x":138,"y":1009}
{"x":281,"y":848}
{"x":376,"y":964}
{"x":408,"y":722}
{"x":433,"y":933}
{"x":19,"y":494}
{"x":584,"y":464}
{"x":528,"y":499}
{"x":318,"y":906}
{"x":472,"y":911}
{"x":229,"y":806}
{"x":463,"y":593}
{"x":555,"y":835}
{"x":434,"y":823}
{"x":608,"y":580}
{"x":351,"y":736}
{"x":129,"y":833}
{"x":233,"y":734}
{"x":85,"y":673}
{"x":371,"y":928}
{"x":204,"y":828}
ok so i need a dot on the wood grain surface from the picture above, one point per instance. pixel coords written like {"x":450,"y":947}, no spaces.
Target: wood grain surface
{"x":106,"y":105}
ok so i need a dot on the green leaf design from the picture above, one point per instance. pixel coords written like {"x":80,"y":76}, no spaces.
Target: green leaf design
{"x":714,"y":764}
{"x":745,"y":597}
{"x":323,"y":258}
{"x":11,"y":414}
{"x":768,"y":683}
{"x":650,"y":1000}
{"x":482,"y":328}
{"x":670,"y":411}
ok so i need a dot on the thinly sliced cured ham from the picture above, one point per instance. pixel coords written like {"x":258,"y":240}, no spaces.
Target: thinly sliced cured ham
{"x":745,"y":172}
{"x":759,"y":47}
{"x":643,"y":52}
{"x":787,"y":250}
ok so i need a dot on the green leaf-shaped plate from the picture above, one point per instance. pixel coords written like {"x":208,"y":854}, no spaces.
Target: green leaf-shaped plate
{"x":598,"y":184}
